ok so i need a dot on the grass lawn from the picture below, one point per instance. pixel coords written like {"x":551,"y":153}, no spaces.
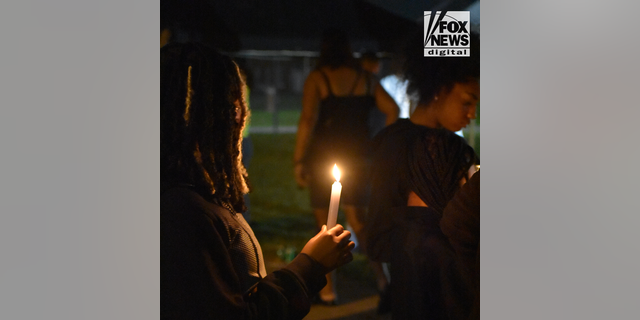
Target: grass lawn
{"x":261,"y":118}
{"x":287,"y":109}
{"x":280,"y":212}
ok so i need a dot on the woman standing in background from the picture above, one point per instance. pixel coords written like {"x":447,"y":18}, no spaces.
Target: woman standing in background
{"x":338,"y":97}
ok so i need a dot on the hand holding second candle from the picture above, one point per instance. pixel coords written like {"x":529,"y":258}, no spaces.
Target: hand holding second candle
{"x":331,"y":247}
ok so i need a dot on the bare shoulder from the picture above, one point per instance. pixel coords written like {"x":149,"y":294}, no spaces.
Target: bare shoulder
{"x":316,"y":81}
{"x":314,"y":76}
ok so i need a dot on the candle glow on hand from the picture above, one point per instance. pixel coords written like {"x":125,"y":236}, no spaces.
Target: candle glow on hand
{"x":336,"y":189}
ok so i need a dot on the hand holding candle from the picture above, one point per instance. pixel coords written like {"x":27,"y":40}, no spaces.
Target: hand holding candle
{"x":336,"y":189}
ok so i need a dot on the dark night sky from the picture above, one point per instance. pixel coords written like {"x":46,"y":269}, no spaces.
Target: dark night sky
{"x":230,"y":25}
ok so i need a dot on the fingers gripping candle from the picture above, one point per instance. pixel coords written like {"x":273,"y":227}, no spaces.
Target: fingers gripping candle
{"x":336,"y":188}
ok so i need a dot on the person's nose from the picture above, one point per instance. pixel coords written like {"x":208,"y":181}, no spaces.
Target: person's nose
{"x":472,"y":112}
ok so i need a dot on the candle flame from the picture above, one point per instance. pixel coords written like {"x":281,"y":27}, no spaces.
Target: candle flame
{"x":336,"y":172}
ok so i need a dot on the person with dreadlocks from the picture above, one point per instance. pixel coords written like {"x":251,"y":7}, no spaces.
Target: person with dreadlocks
{"x":421,"y":161}
{"x":211,"y":264}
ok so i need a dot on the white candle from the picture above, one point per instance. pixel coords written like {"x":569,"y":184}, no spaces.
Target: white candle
{"x":336,"y":188}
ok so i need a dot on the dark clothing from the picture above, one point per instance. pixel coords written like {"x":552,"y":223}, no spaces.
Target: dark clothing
{"x":211,"y":266}
{"x":388,"y":190}
{"x":460,"y":223}
{"x":340,"y":136}
{"x":424,"y":281}
{"x":438,"y":162}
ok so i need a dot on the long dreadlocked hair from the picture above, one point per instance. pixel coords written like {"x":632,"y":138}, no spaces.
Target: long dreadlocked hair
{"x":200,"y":139}
{"x":437,"y":162}
{"x":428,"y":75}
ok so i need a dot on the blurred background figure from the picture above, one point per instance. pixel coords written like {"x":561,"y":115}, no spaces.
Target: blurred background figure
{"x":397,"y":88}
{"x":370,"y":62}
{"x":337,"y":100}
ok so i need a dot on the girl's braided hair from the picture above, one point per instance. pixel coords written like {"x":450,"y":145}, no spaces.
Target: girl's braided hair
{"x":200,"y":139}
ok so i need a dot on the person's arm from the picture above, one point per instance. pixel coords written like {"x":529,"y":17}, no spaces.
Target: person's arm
{"x":386,"y":104}
{"x":308,"y":116}
{"x":199,"y":281}
{"x":303,"y":277}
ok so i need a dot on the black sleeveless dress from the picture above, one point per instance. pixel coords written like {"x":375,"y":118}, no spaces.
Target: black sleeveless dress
{"x":341,"y":136}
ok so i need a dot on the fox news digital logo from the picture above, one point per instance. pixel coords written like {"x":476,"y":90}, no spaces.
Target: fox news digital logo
{"x":446,"y":34}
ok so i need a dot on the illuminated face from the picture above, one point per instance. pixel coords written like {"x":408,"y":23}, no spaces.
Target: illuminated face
{"x":456,"y":108}
{"x":240,"y":104}
{"x":238,"y":110}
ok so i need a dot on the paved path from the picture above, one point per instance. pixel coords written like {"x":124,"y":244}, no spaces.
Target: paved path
{"x":357,"y":300}
{"x":364,"y":308}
